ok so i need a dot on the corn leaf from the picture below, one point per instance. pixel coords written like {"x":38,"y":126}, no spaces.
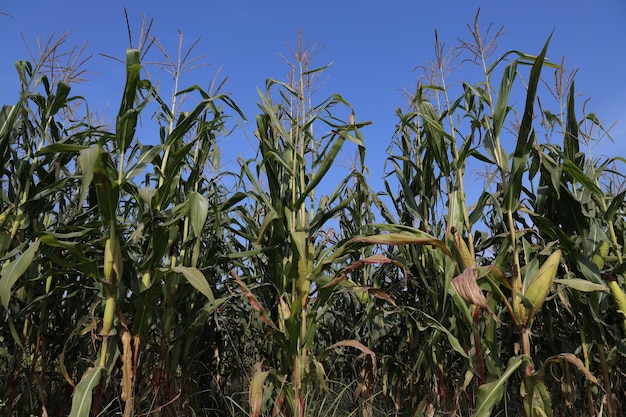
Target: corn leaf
{"x":401,"y":238}
{"x":81,"y":400}
{"x":197,"y":279}
{"x":255,"y":393}
{"x":525,"y":136}
{"x":583,"y":285}
{"x":490,"y":394}
{"x":12,"y":271}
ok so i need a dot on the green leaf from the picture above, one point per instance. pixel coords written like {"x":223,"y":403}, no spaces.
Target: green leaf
{"x":197,"y":279}
{"x":490,"y":394}
{"x":126,"y":122}
{"x":81,"y":400}
{"x":502,"y":107}
{"x":570,"y":142}
{"x":60,"y":98}
{"x":147,"y":155}
{"x":454,"y":341}
{"x":526,"y":134}
{"x":61,"y":147}
{"x":571,"y":168}
{"x":582,"y":285}
{"x":326,"y":163}
{"x":615,"y":205}
{"x":15,"y":269}
{"x":8,"y":115}
{"x":537,"y":401}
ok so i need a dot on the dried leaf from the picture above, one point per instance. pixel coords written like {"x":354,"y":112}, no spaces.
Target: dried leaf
{"x":127,"y":376}
{"x":467,"y":287}
{"x":255,"y":394}
{"x":398,"y":238}
{"x":378,"y":293}
{"x":254,"y":302}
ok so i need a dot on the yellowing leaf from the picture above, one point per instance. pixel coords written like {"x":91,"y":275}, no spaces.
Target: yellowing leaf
{"x":401,"y":238}
{"x":255,"y":394}
{"x":582,"y":285}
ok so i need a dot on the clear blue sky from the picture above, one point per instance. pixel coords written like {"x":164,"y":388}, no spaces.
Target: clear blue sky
{"x":374,"y":47}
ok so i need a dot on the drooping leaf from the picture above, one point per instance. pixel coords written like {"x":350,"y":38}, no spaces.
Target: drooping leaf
{"x":454,"y":341}
{"x":400,"y":238}
{"x":12,"y":271}
{"x":254,"y":302}
{"x":571,"y":359}
{"x":59,"y":147}
{"x":490,"y":394}
{"x":579,"y":175}
{"x":583,"y":285}
{"x":351,"y":343}
{"x":197,"y":279}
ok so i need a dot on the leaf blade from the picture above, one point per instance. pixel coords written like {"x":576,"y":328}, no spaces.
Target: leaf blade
{"x":14,"y":270}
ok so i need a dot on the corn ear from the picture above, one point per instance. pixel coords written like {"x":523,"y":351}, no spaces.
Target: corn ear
{"x":618,"y":296}
{"x":112,"y":260}
{"x":109,"y":315}
{"x":4,"y":217}
{"x":108,"y":260}
{"x":539,"y":287}
{"x":284,"y":312}
{"x":465,"y":257}
{"x":600,"y":254}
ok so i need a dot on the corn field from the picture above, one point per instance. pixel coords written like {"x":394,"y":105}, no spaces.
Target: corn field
{"x":485,"y":276}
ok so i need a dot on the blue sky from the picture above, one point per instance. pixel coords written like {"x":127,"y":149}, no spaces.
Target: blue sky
{"x":374,"y":46}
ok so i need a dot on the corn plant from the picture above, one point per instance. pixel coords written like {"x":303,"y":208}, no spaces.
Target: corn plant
{"x":291,"y":258}
{"x":435,"y":143}
{"x":140,"y":278}
{"x":83,"y":235}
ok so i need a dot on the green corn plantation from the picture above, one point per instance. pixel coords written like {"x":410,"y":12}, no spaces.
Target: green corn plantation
{"x":483,"y":274}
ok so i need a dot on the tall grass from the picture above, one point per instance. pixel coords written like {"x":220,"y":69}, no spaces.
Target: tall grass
{"x":485,"y":278}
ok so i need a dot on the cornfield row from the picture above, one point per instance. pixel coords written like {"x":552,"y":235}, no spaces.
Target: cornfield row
{"x":139,"y":278}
